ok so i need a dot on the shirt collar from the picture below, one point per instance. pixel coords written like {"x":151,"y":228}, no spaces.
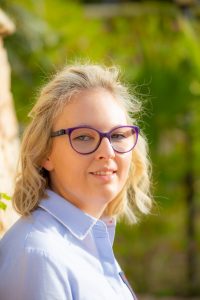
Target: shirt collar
{"x":78,"y":222}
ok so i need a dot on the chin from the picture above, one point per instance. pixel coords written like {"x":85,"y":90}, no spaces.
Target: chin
{"x":108,"y":197}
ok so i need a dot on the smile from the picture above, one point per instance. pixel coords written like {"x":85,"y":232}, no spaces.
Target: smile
{"x":103,"y":173}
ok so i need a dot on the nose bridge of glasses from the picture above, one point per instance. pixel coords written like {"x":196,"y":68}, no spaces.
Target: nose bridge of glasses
{"x":107,"y":136}
{"x":104,"y":135}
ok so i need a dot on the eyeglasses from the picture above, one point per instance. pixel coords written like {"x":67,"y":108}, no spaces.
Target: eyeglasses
{"x":86,"y":140}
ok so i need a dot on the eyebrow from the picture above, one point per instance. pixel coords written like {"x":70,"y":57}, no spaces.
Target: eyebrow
{"x":97,"y":127}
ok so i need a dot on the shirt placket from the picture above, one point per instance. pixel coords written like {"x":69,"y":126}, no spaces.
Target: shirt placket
{"x":106,"y":256}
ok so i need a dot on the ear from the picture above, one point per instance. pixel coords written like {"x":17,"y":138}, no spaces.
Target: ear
{"x":48,"y":164}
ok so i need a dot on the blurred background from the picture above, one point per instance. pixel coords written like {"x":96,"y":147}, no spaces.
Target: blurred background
{"x":157,"y":46}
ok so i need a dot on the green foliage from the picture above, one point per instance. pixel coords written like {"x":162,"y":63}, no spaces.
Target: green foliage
{"x":4,"y":196}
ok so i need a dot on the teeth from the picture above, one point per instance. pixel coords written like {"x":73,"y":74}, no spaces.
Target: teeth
{"x":103,"y":173}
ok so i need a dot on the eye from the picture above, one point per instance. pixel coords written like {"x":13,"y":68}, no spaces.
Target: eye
{"x":122,"y":134}
{"x":118,"y":136}
{"x":83,"y":138}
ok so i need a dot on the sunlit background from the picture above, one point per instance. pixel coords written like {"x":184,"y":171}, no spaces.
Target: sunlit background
{"x":157,"y":46}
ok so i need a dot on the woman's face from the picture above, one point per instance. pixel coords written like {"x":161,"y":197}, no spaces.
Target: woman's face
{"x":81,"y":179}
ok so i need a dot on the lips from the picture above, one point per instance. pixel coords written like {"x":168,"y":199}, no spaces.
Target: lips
{"x":104,"y":172}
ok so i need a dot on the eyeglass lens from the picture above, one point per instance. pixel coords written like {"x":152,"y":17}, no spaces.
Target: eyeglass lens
{"x":86,"y":140}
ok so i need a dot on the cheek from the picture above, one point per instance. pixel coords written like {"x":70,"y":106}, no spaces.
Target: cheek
{"x":71,"y":167}
{"x":61,"y":155}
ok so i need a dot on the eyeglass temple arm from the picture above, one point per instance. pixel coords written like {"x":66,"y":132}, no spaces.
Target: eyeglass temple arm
{"x":59,"y":132}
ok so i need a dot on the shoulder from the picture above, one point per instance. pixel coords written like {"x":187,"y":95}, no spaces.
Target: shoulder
{"x":34,"y":273}
{"x":39,"y":233}
{"x":35,"y":259}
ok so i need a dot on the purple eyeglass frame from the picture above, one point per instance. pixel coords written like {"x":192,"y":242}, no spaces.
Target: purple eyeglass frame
{"x":68,"y":131}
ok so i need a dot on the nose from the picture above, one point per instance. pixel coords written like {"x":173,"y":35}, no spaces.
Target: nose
{"x":105,"y":150}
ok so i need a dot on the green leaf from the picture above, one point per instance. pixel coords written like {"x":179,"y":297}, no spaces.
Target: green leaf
{"x":5,"y":196}
{"x":3,"y":205}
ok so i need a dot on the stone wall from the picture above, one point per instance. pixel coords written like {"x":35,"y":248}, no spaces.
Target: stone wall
{"x":9,"y":140}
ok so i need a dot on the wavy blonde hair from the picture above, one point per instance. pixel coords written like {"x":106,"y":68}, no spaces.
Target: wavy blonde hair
{"x":32,"y":179}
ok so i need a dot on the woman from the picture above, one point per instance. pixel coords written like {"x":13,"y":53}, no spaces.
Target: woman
{"x":83,"y":165}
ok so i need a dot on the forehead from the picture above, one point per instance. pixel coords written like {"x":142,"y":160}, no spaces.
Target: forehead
{"x":96,"y":107}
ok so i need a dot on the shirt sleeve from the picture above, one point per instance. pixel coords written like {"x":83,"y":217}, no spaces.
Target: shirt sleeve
{"x":38,"y":277}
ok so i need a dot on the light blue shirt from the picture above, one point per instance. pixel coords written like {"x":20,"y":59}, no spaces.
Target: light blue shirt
{"x":60,"y":253}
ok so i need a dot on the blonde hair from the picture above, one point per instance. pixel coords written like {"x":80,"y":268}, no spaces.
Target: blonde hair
{"x":32,"y":180}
